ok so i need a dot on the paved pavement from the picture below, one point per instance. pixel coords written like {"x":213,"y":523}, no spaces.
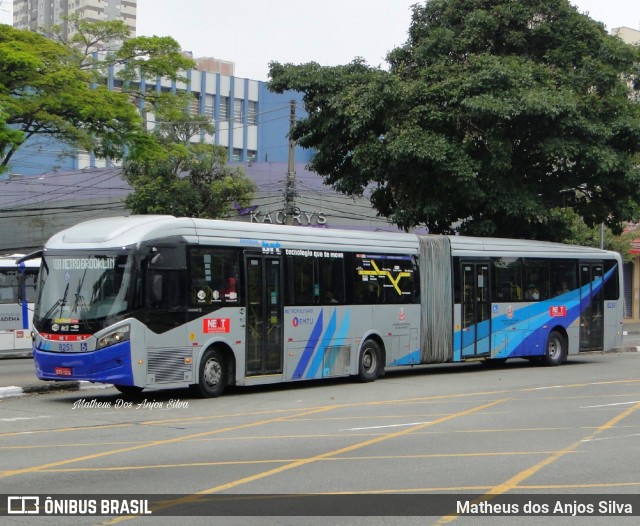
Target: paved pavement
{"x":17,"y":376}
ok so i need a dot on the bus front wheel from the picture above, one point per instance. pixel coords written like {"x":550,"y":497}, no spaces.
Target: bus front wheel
{"x":556,"y":349}
{"x":370,"y":361}
{"x":213,"y":374}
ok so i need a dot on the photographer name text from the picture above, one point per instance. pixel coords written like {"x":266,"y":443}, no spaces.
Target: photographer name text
{"x":145,"y":404}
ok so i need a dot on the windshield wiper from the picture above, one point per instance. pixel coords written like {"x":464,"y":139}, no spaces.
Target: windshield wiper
{"x":79,"y":299}
{"x":59,"y":303}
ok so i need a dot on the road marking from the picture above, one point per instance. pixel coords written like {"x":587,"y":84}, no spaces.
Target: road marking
{"x":610,"y":438}
{"x":383,"y":427}
{"x":514,"y":482}
{"x":610,"y":405}
{"x":309,"y":460}
{"x":16,"y":418}
{"x":33,"y":469}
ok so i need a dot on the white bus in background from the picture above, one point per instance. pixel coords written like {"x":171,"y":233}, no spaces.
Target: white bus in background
{"x":17,"y":294}
{"x":164,"y":302}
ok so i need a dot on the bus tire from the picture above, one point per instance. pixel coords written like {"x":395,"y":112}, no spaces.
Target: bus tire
{"x":129,"y":390}
{"x":369,"y":362}
{"x":213,"y":374}
{"x":556,"y":349}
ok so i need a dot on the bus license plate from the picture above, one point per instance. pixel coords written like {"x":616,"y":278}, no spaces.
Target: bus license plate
{"x":63,"y":371}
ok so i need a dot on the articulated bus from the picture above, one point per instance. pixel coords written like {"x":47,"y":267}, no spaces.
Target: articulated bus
{"x":17,"y":294}
{"x":163,"y":302}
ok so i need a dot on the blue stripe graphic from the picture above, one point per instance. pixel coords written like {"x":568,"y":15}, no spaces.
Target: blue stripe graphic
{"x":530,"y":324}
{"x":326,"y":339}
{"x":342,"y":334}
{"x":308,"y":350}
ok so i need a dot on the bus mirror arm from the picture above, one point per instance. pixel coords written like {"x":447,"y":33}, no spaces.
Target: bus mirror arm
{"x":34,"y":255}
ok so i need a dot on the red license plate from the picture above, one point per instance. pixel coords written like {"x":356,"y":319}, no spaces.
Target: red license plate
{"x":63,"y":371}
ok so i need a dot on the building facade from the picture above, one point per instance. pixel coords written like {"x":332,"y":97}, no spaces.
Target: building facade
{"x":251,"y":122}
{"x":44,"y":14}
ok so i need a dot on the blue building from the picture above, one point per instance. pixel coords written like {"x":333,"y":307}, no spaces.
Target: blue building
{"x":250,"y":121}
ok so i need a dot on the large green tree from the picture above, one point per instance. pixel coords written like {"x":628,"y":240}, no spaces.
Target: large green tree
{"x":43,"y":92}
{"x":173,"y":171}
{"x":493,"y":114}
{"x":56,"y":87}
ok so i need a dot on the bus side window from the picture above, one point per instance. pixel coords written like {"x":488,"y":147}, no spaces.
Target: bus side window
{"x":8,"y":287}
{"x":156,"y":290}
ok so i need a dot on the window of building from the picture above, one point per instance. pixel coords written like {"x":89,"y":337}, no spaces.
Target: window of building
{"x":237,"y":110}
{"x":252,"y":116}
{"x":208,"y":105}
{"x":194,"y":105}
{"x":224,"y":108}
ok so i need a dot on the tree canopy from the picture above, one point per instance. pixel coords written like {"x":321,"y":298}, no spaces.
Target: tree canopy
{"x":170,"y":174}
{"x":491,"y":116}
{"x":49,"y":86}
{"x":43,"y":92}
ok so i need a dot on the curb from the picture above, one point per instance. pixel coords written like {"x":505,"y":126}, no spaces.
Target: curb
{"x":13,"y":391}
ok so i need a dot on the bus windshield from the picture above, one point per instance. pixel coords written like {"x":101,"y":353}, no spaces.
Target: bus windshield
{"x":82,"y":292}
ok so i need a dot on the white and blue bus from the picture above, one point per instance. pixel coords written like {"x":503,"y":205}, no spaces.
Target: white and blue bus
{"x":17,"y":294}
{"x":164,"y":302}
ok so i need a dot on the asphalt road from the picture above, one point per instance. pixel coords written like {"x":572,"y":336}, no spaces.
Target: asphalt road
{"x":460,"y":431}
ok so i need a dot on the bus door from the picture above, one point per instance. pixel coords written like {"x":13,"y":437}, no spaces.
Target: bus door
{"x":591,"y":306}
{"x":476,"y":309}
{"x":264,"y":315}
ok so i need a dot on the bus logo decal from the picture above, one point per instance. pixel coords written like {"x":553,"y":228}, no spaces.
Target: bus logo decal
{"x":216,"y":325}
{"x":557,"y":311}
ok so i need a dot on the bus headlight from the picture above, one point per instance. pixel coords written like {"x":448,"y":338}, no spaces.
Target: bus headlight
{"x":121,"y":334}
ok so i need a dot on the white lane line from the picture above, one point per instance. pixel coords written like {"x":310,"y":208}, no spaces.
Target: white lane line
{"x":15,"y":419}
{"x":610,"y":438}
{"x":383,"y":427}
{"x":609,"y":405}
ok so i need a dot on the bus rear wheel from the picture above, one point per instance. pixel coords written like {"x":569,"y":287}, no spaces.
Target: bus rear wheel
{"x":213,"y":374}
{"x":556,"y":349}
{"x":370,"y":362}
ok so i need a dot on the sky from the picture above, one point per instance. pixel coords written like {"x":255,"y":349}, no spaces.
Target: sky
{"x":251,"y":33}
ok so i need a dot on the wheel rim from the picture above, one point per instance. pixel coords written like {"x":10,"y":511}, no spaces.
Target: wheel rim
{"x":368,"y":360}
{"x":554,"y":348}
{"x":212,"y":373}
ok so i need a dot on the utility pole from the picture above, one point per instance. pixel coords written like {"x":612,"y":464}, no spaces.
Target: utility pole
{"x":290,"y":190}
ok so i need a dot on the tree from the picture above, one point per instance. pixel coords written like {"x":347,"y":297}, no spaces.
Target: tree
{"x":56,"y":87}
{"x":170,"y":174}
{"x":493,"y":114}
{"x":43,"y":92}
{"x":574,"y":231}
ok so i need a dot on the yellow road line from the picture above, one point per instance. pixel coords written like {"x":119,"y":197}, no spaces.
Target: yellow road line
{"x":11,"y":473}
{"x":316,"y":458}
{"x":514,"y":482}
